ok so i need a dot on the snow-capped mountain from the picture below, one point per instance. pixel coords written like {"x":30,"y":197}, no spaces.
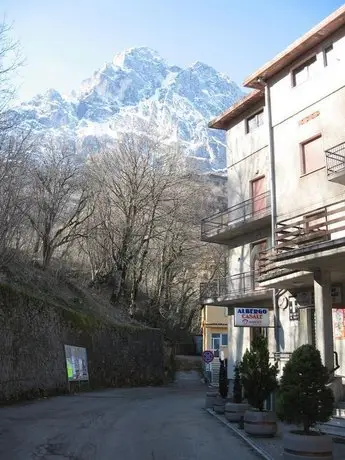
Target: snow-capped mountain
{"x":138,"y":91}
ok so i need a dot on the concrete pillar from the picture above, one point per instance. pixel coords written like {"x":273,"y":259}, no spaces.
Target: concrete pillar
{"x":323,"y":317}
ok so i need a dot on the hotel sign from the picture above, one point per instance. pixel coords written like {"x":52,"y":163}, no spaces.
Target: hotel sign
{"x":251,"y":317}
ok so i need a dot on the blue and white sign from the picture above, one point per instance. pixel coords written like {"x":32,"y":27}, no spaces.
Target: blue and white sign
{"x":251,"y":317}
{"x":208,"y":356}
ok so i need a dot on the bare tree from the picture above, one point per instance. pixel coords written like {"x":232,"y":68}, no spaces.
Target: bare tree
{"x":60,"y":197}
{"x":144,"y":236}
{"x":133,"y":178}
{"x":181,"y":260}
{"x":10,"y":61}
{"x":15,"y":153}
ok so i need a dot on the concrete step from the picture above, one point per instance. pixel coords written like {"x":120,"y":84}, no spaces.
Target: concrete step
{"x":339,"y":409}
{"x":339,"y":412}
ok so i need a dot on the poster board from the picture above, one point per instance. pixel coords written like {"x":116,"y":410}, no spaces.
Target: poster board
{"x":76,"y":364}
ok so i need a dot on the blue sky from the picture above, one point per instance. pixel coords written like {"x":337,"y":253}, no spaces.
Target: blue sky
{"x":64,"y":41}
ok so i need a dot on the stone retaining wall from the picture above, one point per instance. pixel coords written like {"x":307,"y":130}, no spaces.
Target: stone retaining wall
{"x":32,"y":338}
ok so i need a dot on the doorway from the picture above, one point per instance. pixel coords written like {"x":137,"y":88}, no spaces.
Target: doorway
{"x":258,"y":188}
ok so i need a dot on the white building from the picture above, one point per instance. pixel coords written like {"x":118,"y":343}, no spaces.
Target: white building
{"x":284,"y":228}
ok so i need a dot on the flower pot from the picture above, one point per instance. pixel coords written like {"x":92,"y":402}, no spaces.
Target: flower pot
{"x":211,"y":396}
{"x":219,"y":404}
{"x":299,"y":446}
{"x":262,"y":424}
{"x":234,"y":411}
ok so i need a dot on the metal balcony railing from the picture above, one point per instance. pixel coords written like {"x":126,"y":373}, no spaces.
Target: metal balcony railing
{"x":231,"y":287}
{"x":335,"y":159}
{"x":254,"y":208}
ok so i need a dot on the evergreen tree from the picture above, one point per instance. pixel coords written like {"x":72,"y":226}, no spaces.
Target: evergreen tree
{"x":223,"y":380}
{"x":303,"y":397}
{"x":237,"y":390}
{"x":258,"y":376}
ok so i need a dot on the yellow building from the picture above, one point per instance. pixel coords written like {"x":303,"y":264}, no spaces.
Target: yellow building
{"x":214,"y":326}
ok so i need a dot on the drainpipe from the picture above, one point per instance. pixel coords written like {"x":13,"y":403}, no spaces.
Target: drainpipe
{"x":273,"y":202}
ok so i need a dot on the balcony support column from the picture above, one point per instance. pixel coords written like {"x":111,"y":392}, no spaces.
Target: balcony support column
{"x":323,"y":317}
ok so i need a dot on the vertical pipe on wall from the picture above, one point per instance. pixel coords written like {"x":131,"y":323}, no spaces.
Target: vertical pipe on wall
{"x":273,"y":203}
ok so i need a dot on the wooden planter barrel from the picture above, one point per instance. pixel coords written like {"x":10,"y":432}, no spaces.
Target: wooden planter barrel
{"x":234,"y":411}
{"x":211,"y":396}
{"x":262,"y":424}
{"x":298,"y":446}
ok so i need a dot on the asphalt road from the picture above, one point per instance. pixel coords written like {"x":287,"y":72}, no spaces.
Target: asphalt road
{"x":165,"y":423}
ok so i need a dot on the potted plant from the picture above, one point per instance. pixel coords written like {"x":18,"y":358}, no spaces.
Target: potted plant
{"x":235,"y":410}
{"x":259,"y":380}
{"x":219,"y":403}
{"x":304,"y":399}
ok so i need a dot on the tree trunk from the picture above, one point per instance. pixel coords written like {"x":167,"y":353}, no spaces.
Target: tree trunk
{"x":47,"y":253}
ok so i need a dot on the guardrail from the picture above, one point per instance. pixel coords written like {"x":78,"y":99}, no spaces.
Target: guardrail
{"x":335,"y":159}
{"x":253,"y":208}
{"x":231,"y":287}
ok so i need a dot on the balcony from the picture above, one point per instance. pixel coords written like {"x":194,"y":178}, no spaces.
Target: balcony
{"x":238,"y":220}
{"x":272,"y":275}
{"x":235,"y":290}
{"x":335,"y":162}
{"x":304,"y":243}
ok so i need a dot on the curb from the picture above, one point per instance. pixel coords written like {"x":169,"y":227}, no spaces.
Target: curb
{"x":240,"y":434}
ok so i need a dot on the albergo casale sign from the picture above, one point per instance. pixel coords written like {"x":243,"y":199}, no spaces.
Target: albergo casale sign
{"x":251,"y":317}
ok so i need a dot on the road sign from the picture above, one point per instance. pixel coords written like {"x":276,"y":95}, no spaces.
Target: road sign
{"x":208,"y":356}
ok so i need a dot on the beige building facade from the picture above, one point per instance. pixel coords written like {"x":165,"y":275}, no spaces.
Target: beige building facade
{"x":284,"y":229}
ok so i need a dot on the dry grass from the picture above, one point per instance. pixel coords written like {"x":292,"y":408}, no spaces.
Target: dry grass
{"x":57,"y":288}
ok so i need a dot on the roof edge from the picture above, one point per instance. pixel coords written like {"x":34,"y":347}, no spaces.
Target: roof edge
{"x":223,"y":120}
{"x":303,"y":44}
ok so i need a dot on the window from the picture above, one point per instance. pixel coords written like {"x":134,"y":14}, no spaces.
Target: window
{"x":218,"y":340}
{"x":328,"y":55}
{"x":254,"y":121}
{"x":313,"y":157}
{"x":304,"y":71}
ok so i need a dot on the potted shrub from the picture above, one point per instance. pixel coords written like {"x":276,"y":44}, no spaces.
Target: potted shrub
{"x":304,"y":399}
{"x":235,"y":410}
{"x":259,"y":380}
{"x":219,"y":403}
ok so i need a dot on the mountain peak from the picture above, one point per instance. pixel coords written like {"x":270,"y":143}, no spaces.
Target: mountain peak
{"x":136,"y":53}
{"x":139,"y":91}
{"x":198,"y":65}
{"x":52,"y":94}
